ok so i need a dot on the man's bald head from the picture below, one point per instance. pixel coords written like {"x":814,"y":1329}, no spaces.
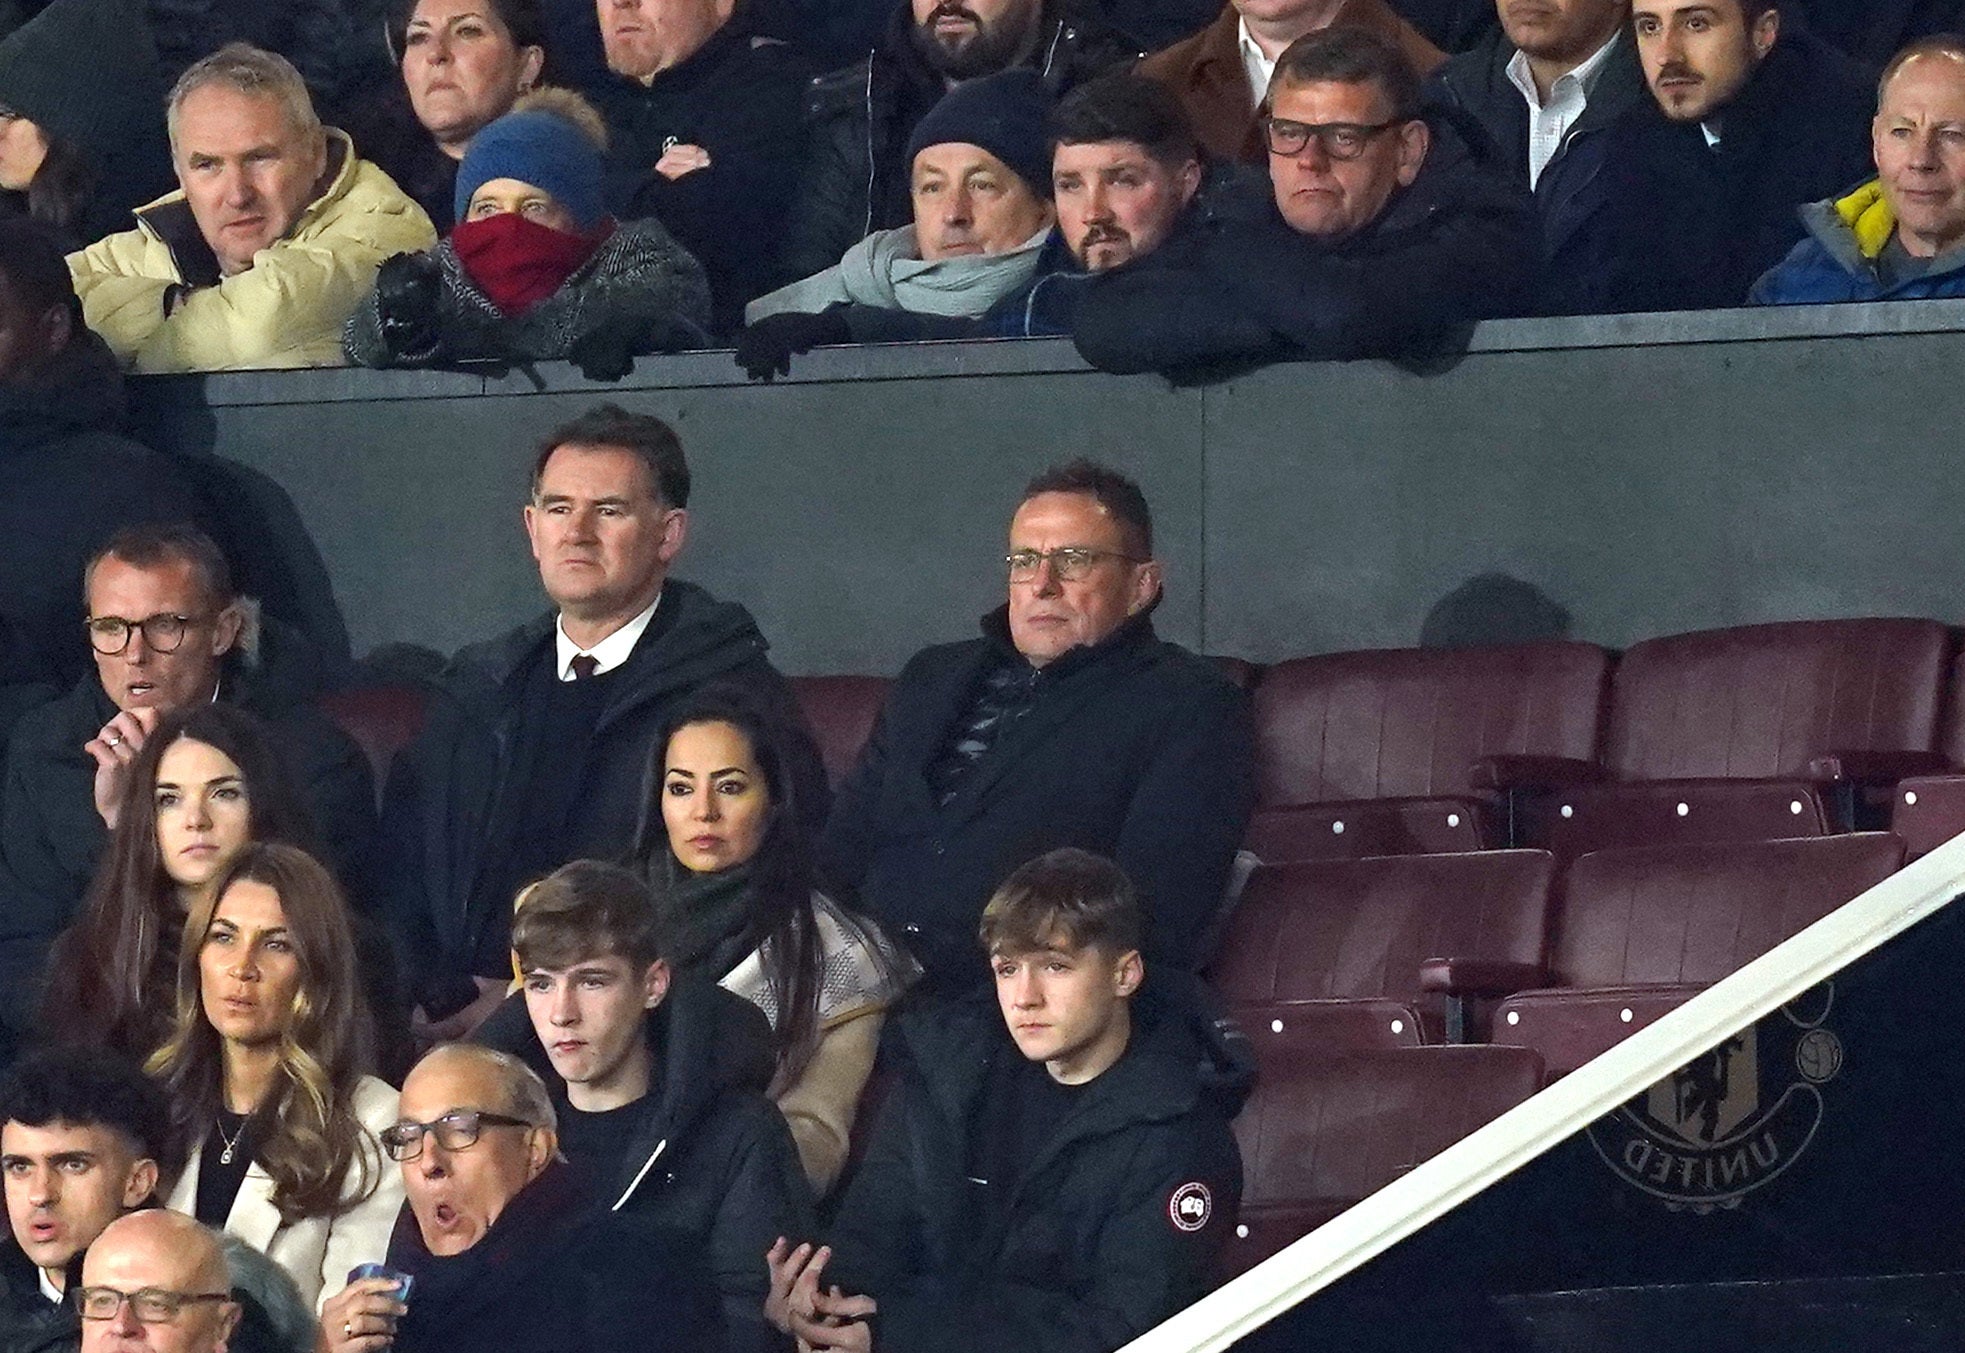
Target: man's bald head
{"x":167,"y":1252}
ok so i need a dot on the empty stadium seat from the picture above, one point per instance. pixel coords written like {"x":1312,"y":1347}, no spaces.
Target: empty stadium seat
{"x":1929,"y":809}
{"x":1733,"y":734}
{"x":1321,"y":1133}
{"x":1334,"y":949}
{"x":841,"y":711}
{"x":1374,"y":753}
{"x":381,"y":719}
{"x":1638,"y":931}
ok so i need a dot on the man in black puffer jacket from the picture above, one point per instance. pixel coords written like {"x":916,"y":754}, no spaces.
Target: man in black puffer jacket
{"x":1384,"y":235}
{"x":1055,"y":1172}
{"x":861,"y":118}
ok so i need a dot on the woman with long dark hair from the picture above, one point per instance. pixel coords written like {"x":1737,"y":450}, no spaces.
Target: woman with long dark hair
{"x":207,"y":782}
{"x":721,"y":844}
{"x":266,"y":1066}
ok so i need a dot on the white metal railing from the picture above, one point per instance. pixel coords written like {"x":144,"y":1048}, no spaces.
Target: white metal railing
{"x":1496,"y":1150}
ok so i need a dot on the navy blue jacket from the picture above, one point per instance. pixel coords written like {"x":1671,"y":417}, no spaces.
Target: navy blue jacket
{"x":1572,"y":194}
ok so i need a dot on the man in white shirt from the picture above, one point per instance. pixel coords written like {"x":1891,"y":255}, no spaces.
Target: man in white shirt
{"x":1546,"y":87}
{"x":537,"y":742}
{"x":1221,"y":74}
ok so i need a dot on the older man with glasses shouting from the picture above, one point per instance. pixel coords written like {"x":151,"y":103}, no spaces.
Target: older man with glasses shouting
{"x":1068,"y":723}
{"x":1383,"y":234}
{"x":166,"y":629}
{"x":499,"y":1245}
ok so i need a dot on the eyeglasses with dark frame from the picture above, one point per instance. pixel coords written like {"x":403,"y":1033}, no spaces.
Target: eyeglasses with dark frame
{"x":152,"y":1305}
{"x":1072,"y":563}
{"x":162,"y":633}
{"x":457,"y":1130}
{"x":1340,"y":140}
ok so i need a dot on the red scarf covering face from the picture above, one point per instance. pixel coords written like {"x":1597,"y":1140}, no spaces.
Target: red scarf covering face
{"x":519,"y":263}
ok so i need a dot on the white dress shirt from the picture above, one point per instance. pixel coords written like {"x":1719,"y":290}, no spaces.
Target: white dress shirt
{"x":610,"y":652}
{"x":1258,"y":67}
{"x":1549,"y":123}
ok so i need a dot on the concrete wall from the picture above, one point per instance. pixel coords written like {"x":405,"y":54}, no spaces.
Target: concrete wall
{"x":1650,"y":473}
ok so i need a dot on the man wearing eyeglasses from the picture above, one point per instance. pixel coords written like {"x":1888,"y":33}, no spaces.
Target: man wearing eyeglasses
{"x":165,"y":628}
{"x":156,"y":1282}
{"x":502,"y":1247}
{"x":1068,"y":723}
{"x":1384,"y":235}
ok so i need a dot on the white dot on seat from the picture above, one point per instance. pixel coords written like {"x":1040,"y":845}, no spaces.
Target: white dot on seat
{"x":1337,"y":829}
{"x":1242,"y":1232}
{"x":1910,"y":796}
{"x":1567,"y":811}
{"x":1684,"y":808}
{"x":1625,"y":1014}
{"x":1275,"y":1026}
{"x":1453,"y":819}
{"x":1398,"y":1026}
{"x":1794,"y":806}
{"x":1514,"y":1018}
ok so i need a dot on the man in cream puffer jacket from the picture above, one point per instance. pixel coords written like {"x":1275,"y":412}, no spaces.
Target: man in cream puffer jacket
{"x":274,"y":234}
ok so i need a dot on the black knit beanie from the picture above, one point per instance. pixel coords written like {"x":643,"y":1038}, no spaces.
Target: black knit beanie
{"x":1002,"y":113}
{"x":86,"y":71}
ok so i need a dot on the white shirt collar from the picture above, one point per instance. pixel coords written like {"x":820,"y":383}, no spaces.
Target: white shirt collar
{"x":48,"y":1289}
{"x":1711,"y":131}
{"x":610,"y":652}
{"x":1583,"y":76}
{"x":1255,"y":65}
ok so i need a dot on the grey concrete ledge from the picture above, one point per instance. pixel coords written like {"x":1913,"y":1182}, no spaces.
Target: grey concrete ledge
{"x":1012,"y":357}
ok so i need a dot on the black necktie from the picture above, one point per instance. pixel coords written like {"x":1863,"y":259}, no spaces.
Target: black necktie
{"x":584,"y":665}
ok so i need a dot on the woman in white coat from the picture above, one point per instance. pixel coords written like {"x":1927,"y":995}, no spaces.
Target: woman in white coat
{"x":265,"y":1066}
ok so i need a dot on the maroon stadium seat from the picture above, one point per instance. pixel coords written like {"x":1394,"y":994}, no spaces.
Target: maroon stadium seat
{"x":1240,"y":671}
{"x":841,"y":711}
{"x":1335,"y":948}
{"x":1930,"y":809}
{"x":381,"y":719}
{"x":1321,"y":1133}
{"x":1638,"y":931}
{"x":1730,"y":735}
{"x":1374,"y":752}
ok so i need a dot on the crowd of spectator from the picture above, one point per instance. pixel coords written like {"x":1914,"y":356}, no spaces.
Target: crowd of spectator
{"x":676,"y":1027}
{"x":605,"y":1002}
{"x":434,"y":182}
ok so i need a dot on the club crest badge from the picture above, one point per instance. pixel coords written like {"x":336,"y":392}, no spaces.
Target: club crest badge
{"x":1190,"y":1206}
{"x":1733,"y":1120}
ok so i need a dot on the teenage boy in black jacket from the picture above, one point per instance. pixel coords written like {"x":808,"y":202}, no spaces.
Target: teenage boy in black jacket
{"x":1053,"y":1179}
{"x":654,"y":1080}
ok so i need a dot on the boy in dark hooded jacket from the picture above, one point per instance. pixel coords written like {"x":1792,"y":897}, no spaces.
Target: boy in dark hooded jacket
{"x":1057,"y":1178}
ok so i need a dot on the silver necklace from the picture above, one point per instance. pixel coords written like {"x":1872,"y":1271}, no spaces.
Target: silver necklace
{"x":231,"y":1142}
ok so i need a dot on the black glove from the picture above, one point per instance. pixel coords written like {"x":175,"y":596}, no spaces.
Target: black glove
{"x":764,"y":349}
{"x":607,"y":352}
{"x":408,"y":288}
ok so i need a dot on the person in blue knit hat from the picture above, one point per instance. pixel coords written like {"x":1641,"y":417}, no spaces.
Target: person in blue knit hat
{"x":535,"y":268}
{"x":981,"y":165}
